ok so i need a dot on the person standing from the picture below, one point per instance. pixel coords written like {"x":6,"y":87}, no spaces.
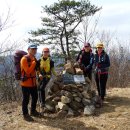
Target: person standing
{"x":45,"y":68}
{"x":85,"y":60}
{"x":28,"y":83}
{"x":102,"y":64}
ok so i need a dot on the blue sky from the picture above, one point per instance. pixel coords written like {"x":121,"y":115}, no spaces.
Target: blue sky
{"x":115,"y":16}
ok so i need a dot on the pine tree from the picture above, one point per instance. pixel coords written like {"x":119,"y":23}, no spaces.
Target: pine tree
{"x":60,"y":22}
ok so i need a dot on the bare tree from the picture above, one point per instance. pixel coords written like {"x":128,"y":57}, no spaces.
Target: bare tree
{"x":88,"y":29}
{"x":118,"y":53}
{"x":6,"y":19}
{"x":8,"y":89}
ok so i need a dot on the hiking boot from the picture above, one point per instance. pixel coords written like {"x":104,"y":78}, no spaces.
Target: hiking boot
{"x":99,"y":103}
{"x":35,"y":114}
{"x":28,"y":118}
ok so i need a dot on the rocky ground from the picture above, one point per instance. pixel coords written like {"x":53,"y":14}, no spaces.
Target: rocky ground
{"x":115,"y":115}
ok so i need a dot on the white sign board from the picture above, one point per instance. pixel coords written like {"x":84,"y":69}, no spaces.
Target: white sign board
{"x":79,"y":79}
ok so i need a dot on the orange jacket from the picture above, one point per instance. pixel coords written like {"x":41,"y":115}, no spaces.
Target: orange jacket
{"x":28,"y":69}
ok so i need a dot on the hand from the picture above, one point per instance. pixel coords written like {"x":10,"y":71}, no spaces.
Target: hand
{"x":82,"y":67}
{"x":88,"y":67}
{"x":35,"y":59}
{"x":34,"y":62}
{"x":40,"y":77}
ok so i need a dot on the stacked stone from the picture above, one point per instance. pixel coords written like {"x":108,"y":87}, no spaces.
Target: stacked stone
{"x":71,"y":99}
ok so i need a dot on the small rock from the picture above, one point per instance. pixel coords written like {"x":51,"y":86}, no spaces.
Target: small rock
{"x":59,"y":78}
{"x":75,"y":105}
{"x":65,"y":93}
{"x":63,"y":106}
{"x":66,"y":87}
{"x":87,"y":80}
{"x":69,"y":68}
{"x":75,"y":90}
{"x":86,"y":101}
{"x":57,"y":99}
{"x":62,"y":114}
{"x":68,"y":94}
{"x":55,"y":88}
{"x":89,"y":110}
{"x":73,"y":86}
{"x":78,"y":99}
{"x":76,"y":65}
{"x":50,"y":105}
{"x":78,"y":71}
{"x":49,"y":98}
{"x":92,"y":93}
{"x":50,"y":108}
{"x":74,"y":94}
{"x":86,"y":88}
{"x":80,"y":95}
{"x":57,"y":108}
{"x":81,"y":89}
{"x":95,"y":99}
{"x":85,"y":95}
{"x":70,"y":112}
{"x":65,"y":100}
{"x":79,"y":86}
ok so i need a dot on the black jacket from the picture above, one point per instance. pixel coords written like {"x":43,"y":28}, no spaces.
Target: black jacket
{"x":86,"y":59}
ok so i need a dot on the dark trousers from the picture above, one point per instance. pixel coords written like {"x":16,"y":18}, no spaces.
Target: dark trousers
{"x":101,"y":81}
{"x":88,"y":74}
{"x":27,"y":91}
{"x":41,"y":91}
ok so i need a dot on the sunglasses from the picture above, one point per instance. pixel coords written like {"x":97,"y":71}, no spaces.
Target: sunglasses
{"x":87,"y":46}
{"x":46,"y":51}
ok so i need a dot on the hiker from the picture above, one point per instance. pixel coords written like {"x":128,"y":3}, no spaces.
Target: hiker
{"x":28,"y":83}
{"x":85,"y":60}
{"x":45,"y":67}
{"x":102,"y":64}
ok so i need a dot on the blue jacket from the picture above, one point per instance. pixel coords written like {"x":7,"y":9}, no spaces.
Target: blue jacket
{"x":102,"y":62}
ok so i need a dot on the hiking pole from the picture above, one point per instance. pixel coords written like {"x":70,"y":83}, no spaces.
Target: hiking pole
{"x":39,"y":101}
{"x":40,"y":93}
{"x":39,"y":96}
{"x":99,"y":78}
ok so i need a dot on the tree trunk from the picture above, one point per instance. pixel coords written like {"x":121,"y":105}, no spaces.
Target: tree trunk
{"x":62,"y":46}
{"x":67,"y":44}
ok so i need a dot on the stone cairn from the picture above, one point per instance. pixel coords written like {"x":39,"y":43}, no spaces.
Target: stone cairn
{"x":70,"y":99}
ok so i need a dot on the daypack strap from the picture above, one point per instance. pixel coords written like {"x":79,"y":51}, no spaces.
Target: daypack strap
{"x":81,"y":55}
{"x":42,"y":69}
{"x":24,"y":77}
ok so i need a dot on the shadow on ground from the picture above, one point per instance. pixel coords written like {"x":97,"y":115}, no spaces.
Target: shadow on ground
{"x":110,"y":105}
{"x":113,"y":102}
{"x":65,"y":124}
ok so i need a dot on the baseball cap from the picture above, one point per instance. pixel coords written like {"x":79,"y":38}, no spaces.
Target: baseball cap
{"x":32,"y":46}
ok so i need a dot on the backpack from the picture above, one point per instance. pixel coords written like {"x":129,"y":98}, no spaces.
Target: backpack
{"x":17,"y":58}
{"x":104,"y":56}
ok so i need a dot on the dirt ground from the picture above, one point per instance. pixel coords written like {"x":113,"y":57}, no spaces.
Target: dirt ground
{"x":115,"y":115}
